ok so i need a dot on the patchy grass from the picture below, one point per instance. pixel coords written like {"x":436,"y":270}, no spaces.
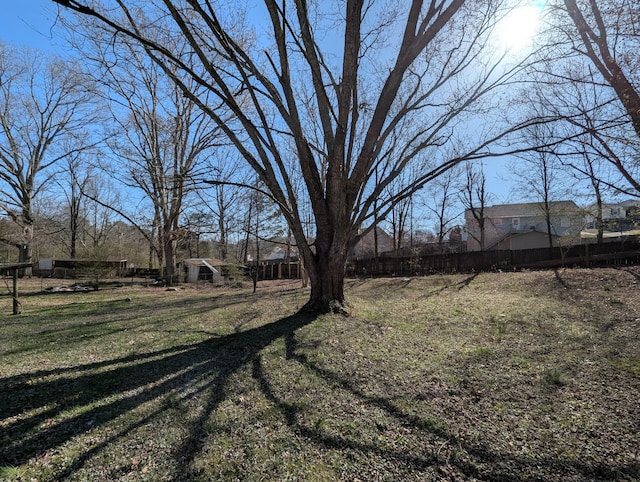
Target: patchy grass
{"x":503,"y":376}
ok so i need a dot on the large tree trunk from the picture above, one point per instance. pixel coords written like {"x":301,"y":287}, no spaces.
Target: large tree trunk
{"x":25,"y":249}
{"x":25,"y":255}
{"x":327,"y":286}
{"x":327,"y":269}
{"x":599,"y":221}
{"x":169,"y":247}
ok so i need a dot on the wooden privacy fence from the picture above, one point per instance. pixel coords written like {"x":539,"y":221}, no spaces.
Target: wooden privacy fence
{"x":270,"y":270}
{"x":613,"y":253}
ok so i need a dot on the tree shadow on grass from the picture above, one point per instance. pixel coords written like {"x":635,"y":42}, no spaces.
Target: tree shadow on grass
{"x":43,"y":410}
{"x":391,"y":284}
{"x":481,"y":461}
{"x":561,"y":281}
{"x":632,"y":271}
{"x":84,"y":318}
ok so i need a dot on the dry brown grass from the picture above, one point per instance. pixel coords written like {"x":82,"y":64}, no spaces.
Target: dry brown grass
{"x":500,"y":376}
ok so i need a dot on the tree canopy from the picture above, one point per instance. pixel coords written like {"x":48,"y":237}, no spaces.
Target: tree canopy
{"x":346,"y":97}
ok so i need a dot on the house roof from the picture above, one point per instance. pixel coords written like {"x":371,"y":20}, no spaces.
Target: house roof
{"x":385,"y":240}
{"x":593,"y":206}
{"x":519,"y":210}
{"x":279,"y":252}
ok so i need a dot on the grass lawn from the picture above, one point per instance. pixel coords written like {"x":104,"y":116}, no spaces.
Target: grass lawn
{"x":499,"y":376}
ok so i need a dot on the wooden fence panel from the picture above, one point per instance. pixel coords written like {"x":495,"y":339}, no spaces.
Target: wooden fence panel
{"x":272,"y":270}
{"x":612,"y":253}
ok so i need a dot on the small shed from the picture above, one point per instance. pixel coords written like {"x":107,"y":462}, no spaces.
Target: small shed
{"x":203,"y":269}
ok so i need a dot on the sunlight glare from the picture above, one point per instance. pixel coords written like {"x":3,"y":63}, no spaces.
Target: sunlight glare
{"x":517,"y":29}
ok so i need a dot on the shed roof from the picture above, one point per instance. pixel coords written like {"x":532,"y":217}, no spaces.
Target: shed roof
{"x":15,"y":265}
{"x":205,"y":262}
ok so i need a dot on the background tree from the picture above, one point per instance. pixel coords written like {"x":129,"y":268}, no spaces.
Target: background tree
{"x":475,"y":199}
{"x":587,"y":133}
{"x":160,"y":138}
{"x":198,"y":224}
{"x":76,"y":179}
{"x":590,"y":84}
{"x":590,"y":151}
{"x":102,"y":200}
{"x":400,"y":217}
{"x":442,"y":202}
{"x":223,"y":200}
{"x":63,"y":212}
{"x":540,"y":177}
{"x":45,"y":111}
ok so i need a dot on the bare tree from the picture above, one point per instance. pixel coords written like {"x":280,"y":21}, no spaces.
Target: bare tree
{"x":70,"y":223}
{"x":223,"y":199}
{"x":101,"y":203}
{"x":421,"y":70}
{"x":608,"y":37}
{"x":590,"y":87}
{"x":593,"y":87}
{"x":79,"y":176}
{"x":45,"y":109}
{"x":441,"y":201}
{"x":475,"y":198}
{"x":161,"y":137}
{"x":400,"y":217}
{"x":64,"y":212}
{"x":591,"y":153}
{"x":588,"y":141}
{"x":540,"y":177}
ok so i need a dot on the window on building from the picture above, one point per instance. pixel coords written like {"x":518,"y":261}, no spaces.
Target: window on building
{"x":515,"y":223}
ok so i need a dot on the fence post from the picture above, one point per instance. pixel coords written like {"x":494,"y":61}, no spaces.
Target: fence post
{"x":16,"y":308}
{"x":586,"y":255}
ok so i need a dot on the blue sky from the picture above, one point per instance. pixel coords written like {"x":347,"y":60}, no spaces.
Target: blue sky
{"x":29,"y":22}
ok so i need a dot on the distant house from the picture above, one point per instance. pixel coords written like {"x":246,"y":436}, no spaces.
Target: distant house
{"x":524,"y":225}
{"x":278,"y":252}
{"x":525,"y":240}
{"x":631,"y":203}
{"x":366,"y":246}
{"x":610,"y":212}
